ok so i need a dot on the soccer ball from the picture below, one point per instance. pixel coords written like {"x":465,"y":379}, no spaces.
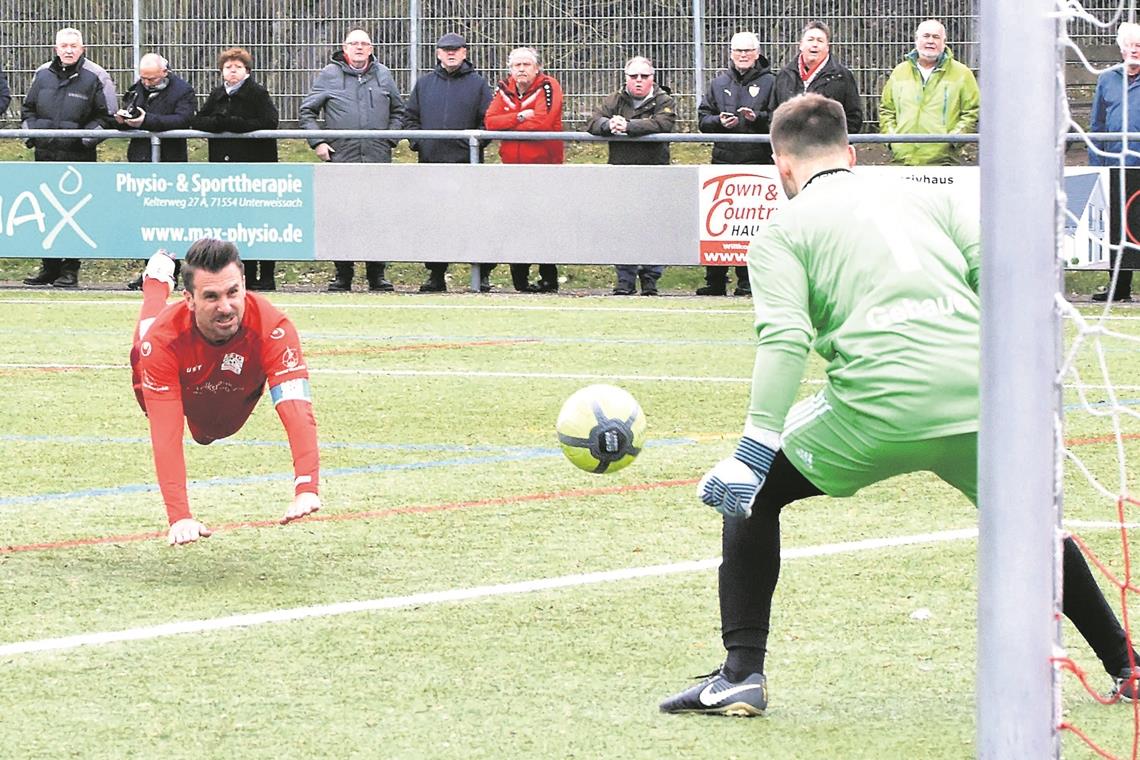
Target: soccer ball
{"x":601,"y":428}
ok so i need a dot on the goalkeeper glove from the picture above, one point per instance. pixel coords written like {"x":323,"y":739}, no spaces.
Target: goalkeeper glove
{"x":732,"y":485}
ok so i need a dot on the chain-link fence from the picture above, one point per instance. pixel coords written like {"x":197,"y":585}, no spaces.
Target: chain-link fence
{"x":584,"y":43}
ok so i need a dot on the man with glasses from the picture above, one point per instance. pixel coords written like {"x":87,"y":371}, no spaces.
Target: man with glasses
{"x":355,"y":91}
{"x":929,"y":93}
{"x":642,"y":107}
{"x":159,"y":101}
{"x":736,"y":101}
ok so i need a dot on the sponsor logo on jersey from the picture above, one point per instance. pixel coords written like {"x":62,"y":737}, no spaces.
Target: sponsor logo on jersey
{"x":290,"y":359}
{"x":278,"y":333}
{"x":213,"y":389}
{"x":233,"y":363}
{"x":151,"y":385}
{"x":145,"y":348}
{"x":192,"y":370}
{"x":925,"y":310}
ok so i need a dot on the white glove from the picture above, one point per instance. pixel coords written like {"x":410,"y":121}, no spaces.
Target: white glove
{"x":304,"y":503}
{"x":730,"y":487}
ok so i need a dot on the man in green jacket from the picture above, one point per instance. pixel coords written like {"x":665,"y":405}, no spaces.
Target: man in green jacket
{"x":929,"y":93}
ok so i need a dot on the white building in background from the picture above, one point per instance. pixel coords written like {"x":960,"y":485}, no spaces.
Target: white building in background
{"x":1086,"y":219}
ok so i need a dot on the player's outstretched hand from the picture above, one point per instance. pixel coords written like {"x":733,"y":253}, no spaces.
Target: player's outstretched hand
{"x":729,"y":488}
{"x":187,"y":531}
{"x":304,"y":503}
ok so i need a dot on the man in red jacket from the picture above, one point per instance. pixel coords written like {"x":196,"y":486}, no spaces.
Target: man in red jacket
{"x":206,"y":359}
{"x":528,"y":101}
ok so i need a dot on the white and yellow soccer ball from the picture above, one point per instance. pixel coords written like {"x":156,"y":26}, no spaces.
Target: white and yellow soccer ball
{"x":601,"y":428}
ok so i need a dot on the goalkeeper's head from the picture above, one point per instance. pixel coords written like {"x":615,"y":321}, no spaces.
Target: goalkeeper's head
{"x":809,"y":135}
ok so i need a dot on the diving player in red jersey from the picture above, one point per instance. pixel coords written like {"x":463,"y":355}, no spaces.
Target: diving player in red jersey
{"x":206,"y":359}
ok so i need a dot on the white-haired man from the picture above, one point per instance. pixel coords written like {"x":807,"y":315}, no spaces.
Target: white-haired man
{"x":528,"y":100}
{"x":1116,"y":108}
{"x":641,"y":107}
{"x":929,"y":93}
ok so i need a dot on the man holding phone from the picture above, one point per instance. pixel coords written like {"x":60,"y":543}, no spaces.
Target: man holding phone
{"x":736,"y":102}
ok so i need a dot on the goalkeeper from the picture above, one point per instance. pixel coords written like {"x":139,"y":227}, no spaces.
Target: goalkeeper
{"x":881,"y":277}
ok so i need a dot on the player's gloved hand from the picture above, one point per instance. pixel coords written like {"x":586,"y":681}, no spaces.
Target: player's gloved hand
{"x":732,"y":485}
{"x":304,"y":503}
{"x":186,"y":531}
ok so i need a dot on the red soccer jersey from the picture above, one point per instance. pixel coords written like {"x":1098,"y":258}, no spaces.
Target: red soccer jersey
{"x":178,"y":374}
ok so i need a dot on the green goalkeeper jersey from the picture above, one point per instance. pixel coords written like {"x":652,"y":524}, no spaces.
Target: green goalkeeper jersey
{"x":881,"y":277}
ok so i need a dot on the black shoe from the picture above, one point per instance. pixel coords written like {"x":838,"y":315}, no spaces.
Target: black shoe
{"x":433,"y":286}
{"x":546,"y":286}
{"x":42,"y":277}
{"x":1101,"y":297}
{"x":135,"y":284}
{"x":742,"y":292}
{"x":528,"y":288}
{"x":380,"y":286}
{"x":66,"y":280}
{"x":716,"y":695}
{"x":1127,"y":685}
{"x":650,"y":291}
{"x":339,"y":286}
{"x":620,"y":291}
{"x":709,"y":290}
{"x":484,"y":285}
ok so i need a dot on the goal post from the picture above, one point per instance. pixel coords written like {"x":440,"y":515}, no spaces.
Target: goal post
{"x":1018,"y":498}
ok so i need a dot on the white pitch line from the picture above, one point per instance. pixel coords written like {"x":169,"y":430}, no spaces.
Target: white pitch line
{"x":374,"y":372}
{"x":453,"y":595}
{"x":501,"y":304}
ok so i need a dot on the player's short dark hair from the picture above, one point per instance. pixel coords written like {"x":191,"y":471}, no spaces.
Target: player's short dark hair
{"x":820,"y":26}
{"x":210,"y":254}
{"x":808,"y":124}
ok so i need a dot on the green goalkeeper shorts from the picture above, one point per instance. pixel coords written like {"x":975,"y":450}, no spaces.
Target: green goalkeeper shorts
{"x":829,"y":448}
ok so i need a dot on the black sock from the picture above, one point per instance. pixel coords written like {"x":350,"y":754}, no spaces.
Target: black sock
{"x":743,"y":662}
{"x":1085,"y":605}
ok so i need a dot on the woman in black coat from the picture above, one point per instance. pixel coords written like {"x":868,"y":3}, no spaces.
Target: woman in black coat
{"x":240,"y":104}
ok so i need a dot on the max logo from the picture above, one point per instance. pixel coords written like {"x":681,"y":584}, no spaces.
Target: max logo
{"x":28,"y":207}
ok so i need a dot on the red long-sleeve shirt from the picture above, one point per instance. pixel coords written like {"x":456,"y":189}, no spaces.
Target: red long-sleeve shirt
{"x":178,"y":374}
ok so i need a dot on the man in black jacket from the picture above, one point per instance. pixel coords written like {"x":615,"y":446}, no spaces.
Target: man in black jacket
{"x":814,"y":70}
{"x":453,"y":95}
{"x":736,"y":102}
{"x":159,"y":101}
{"x":64,"y":94}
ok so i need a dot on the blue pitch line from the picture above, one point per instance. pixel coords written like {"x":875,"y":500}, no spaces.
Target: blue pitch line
{"x":1119,"y":402}
{"x":521,"y":454}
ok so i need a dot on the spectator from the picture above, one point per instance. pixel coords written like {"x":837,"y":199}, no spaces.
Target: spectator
{"x":736,"y":101}
{"x":159,"y":101}
{"x":1110,"y":115}
{"x":5,"y":93}
{"x":815,"y":70}
{"x":355,"y":91}
{"x":528,"y":101}
{"x":453,"y":95}
{"x":929,"y":93}
{"x":240,"y":104}
{"x":65,"y":94}
{"x":204,"y":362}
{"x":640,"y":108}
